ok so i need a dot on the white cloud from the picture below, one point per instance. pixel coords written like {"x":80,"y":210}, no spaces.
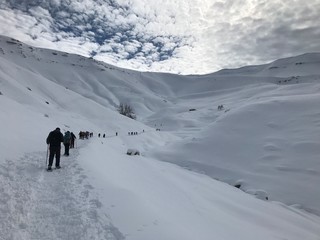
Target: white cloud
{"x":195,"y":36}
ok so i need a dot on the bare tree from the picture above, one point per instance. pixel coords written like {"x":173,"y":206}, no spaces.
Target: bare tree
{"x":126,"y":110}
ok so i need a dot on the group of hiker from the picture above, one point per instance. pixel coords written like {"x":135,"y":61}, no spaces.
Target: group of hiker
{"x":104,"y":135}
{"x":85,"y":134}
{"x":54,"y":140}
{"x":220,"y":107}
{"x":132,"y":133}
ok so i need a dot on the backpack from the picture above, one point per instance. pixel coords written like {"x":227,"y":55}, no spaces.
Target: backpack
{"x":67,"y":137}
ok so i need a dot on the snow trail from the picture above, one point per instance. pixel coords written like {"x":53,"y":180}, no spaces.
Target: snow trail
{"x":36,"y":204}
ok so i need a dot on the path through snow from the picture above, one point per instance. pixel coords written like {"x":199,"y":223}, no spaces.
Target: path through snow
{"x":36,"y":204}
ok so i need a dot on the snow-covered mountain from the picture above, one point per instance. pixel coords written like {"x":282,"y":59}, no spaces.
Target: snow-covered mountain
{"x":265,"y":140}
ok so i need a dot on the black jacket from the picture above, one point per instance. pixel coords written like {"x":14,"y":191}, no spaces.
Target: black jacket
{"x":73,"y":137}
{"x":55,"y":138}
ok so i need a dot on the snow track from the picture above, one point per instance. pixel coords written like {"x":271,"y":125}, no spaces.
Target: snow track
{"x":35,"y":204}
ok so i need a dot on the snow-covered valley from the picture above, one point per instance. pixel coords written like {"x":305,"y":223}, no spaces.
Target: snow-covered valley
{"x":265,"y":140}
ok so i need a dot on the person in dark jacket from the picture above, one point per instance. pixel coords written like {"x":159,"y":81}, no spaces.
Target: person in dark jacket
{"x":54,"y":139}
{"x":73,"y":138}
{"x":66,"y":142}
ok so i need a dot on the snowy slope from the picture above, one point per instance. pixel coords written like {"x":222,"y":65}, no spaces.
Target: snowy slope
{"x":266,"y":139}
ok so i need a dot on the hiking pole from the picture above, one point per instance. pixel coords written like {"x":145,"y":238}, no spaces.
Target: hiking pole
{"x":47,"y":155}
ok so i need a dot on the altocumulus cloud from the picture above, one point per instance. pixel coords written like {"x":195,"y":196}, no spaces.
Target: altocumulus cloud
{"x":180,"y":36}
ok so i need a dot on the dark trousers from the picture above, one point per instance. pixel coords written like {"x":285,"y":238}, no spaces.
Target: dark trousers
{"x":54,"y":151}
{"x":66,"y":148}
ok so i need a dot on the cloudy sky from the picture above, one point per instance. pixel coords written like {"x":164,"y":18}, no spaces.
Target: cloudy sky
{"x":178,"y":36}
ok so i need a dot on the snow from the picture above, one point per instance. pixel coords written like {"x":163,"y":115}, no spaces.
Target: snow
{"x":181,"y":186}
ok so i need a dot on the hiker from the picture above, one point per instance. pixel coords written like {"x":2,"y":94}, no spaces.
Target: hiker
{"x":99,"y":135}
{"x":220,"y":107}
{"x":73,"y":138}
{"x":54,"y":139}
{"x":104,"y":135}
{"x":66,"y":142}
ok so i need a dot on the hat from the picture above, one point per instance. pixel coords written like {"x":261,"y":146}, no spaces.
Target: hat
{"x":58,"y":129}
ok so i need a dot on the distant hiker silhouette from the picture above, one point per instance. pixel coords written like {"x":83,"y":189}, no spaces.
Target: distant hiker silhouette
{"x":72,"y":140}
{"x":81,"y":135}
{"x":66,"y":142}
{"x":220,"y":107}
{"x":54,"y":139}
{"x":104,"y":135}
